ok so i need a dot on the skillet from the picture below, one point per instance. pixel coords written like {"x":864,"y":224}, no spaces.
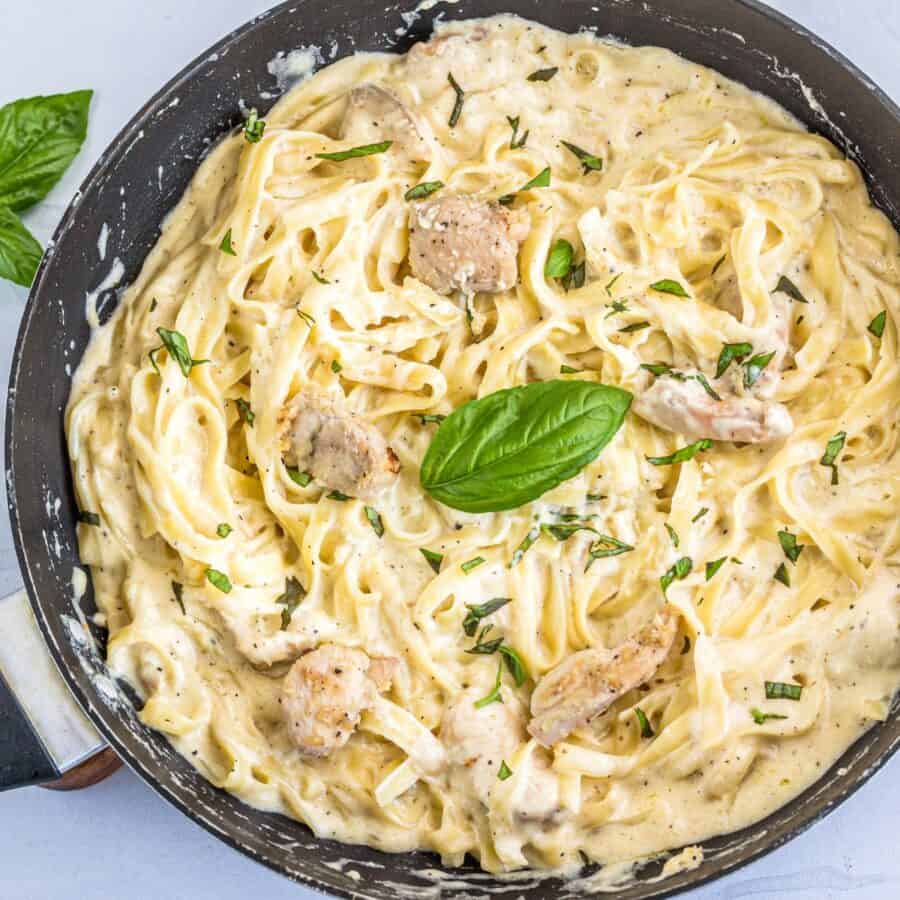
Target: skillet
{"x":140,"y":178}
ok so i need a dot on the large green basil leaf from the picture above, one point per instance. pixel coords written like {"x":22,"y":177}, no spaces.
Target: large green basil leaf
{"x":510,"y":447}
{"x":39,"y":137}
{"x":20,"y":253}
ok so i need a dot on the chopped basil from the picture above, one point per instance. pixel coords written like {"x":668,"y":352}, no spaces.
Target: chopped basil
{"x":226,"y":246}
{"x":504,"y":771}
{"x":424,"y":189}
{"x":593,"y":498}
{"x":559,"y":260}
{"x":542,"y":179}
{"x":703,"y":511}
{"x":644,"y":722}
{"x":223,"y":529}
{"x":543,"y":74}
{"x":356,"y":152}
{"x":254,"y":127}
{"x":668,"y":286}
{"x":589,"y":162}
{"x":494,"y":696}
{"x":480,"y":611}
{"x":821,"y":603}
{"x":89,"y":518}
{"x":686,"y":646}
{"x":731,"y":353}
{"x":699,"y":376}
{"x":458,"y":102}
{"x":714,"y":566}
{"x":780,"y":690}
{"x":605,"y":546}
{"x":673,"y":534}
{"x":564,"y":530}
{"x":523,"y":548}
{"x":516,"y":143}
{"x":320,"y":278}
{"x":514,"y":664}
{"x":786,"y":286}
{"x":430,"y":418}
{"x":470,"y":564}
{"x":178,"y":591}
{"x":761,"y":718}
{"x":609,"y":286}
{"x":617,"y":306}
{"x":219,"y":580}
{"x":153,"y":304}
{"x":679,"y":571}
{"x":310,"y":321}
{"x":575,"y":277}
{"x":681,"y":455}
{"x":432,"y":558}
{"x":298,"y":477}
{"x":753,"y":368}
{"x":177,"y":346}
{"x":792,"y":549}
{"x":634,"y":326}
{"x":375,"y":521}
{"x":782,"y":575}
{"x":340,"y":496}
{"x":291,"y":598}
{"x":876,"y":326}
{"x":246,"y":414}
{"x":719,"y":262}
{"x":483,"y":647}
{"x":336,"y":366}
{"x":568,"y":370}
{"x":832,"y":449}
{"x":659,"y":369}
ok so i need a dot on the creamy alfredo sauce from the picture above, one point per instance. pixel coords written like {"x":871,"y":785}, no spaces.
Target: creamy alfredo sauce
{"x":684,"y":177}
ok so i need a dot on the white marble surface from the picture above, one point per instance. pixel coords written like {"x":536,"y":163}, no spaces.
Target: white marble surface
{"x":119,"y":839}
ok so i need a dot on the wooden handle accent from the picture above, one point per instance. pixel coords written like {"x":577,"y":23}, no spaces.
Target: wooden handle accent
{"x":92,"y":770}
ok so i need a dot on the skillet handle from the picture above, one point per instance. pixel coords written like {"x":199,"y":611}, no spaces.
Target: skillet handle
{"x":45,"y":738}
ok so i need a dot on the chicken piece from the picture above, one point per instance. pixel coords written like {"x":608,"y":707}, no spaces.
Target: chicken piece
{"x":588,"y":682}
{"x":686,"y":408}
{"x":375,"y":114}
{"x":335,"y":446}
{"x":325,"y":692}
{"x":462,"y":243}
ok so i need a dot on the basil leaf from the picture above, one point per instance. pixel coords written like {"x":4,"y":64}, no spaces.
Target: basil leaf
{"x":786,"y":286}
{"x":433,"y":559}
{"x":644,"y":723}
{"x":714,"y":566}
{"x":559,"y":260}
{"x":424,"y":189}
{"x":731,"y":353}
{"x":458,"y":103}
{"x":470,"y":564}
{"x":39,"y":138}
{"x":562,"y":532}
{"x":574,"y":278}
{"x":876,"y":326}
{"x":543,"y":74}
{"x":589,"y":162}
{"x":761,"y":717}
{"x":223,"y":530}
{"x":792,"y":549}
{"x":89,"y":518}
{"x":336,"y":366}
{"x":20,"y":253}
{"x":291,"y":598}
{"x":779,"y":690}
{"x":514,"y":664}
{"x":430,"y":418}
{"x":679,"y":571}
{"x":340,"y":496}
{"x":177,"y":346}
{"x":682,"y":455}
{"x":753,"y":368}
{"x":178,"y":591}
{"x":542,"y":179}
{"x":247,"y":415}
{"x":510,"y":447}
{"x":832,"y":449}
{"x":659,"y":369}
{"x":494,"y":696}
{"x":782,"y":575}
{"x":668,"y":286}
{"x":298,"y":477}
{"x":504,"y":771}
{"x":483,"y":647}
{"x":254,"y":127}
{"x":356,"y":152}
{"x":634,"y":326}
{"x":604,"y":547}
{"x":375,"y":521}
{"x":226,"y":246}
{"x":514,"y":143}
{"x":480,"y":611}
{"x":523,"y":548}
{"x":673,"y":535}
{"x":219,"y":580}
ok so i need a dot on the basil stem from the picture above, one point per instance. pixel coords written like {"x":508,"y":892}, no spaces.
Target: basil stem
{"x":760,"y":717}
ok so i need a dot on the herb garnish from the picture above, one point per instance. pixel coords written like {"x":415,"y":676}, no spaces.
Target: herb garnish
{"x":876,"y":326}
{"x":458,"y":103}
{"x":473,"y":563}
{"x":424,"y":189}
{"x":589,"y":162}
{"x":89,"y":518}
{"x":340,"y":496}
{"x":483,"y":647}
{"x":559,"y":260}
{"x":219,"y":580}
{"x":254,"y":127}
{"x":673,"y":534}
{"x":605,"y":546}
{"x":504,"y":771}
{"x":432,"y":558}
{"x":514,"y":142}
{"x":494,"y":696}
{"x":569,"y":370}
{"x":514,"y":664}
{"x":245,"y":413}
{"x":760,"y":717}
{"x":226,"y":245}
{"x":178,"y":591}
{"x":644,"y":722}
{"x":832,"y":449}
{"x":732,"y":353}
{"x":320,"y":278}
{"x":753,"y":368}
{"x":782,"y":575}
{"x":298,"y":477}
{"x":575,"y":277}
{"x":714,"y":566}
{"x":430,"y":418}
{"x":310,"y":321}
{"x":291,"y":598}
{"x":617,"y":306}
{"x":786,"y":286}
{"x":703,"y":511}
{"x":681,"y":455}
{"x":679,"y":571}
{"x":523,"y":548}
{"x":356,"y":152}
{"x":634,"y":326}
{"x":686,"y":646}
{"x":223,"y":529}
{"x":336,"y":367}
{"x":780,"y":690}
{"x":542,"y":179}
{"x":177,"y":346}
{"x":792,"y":549}
{"x":668,"y":286}
{"x":562,"y":531}
{"x":375,"y":521}
{"x":480,"y":611}
{"x":718,"y":263}
{"x":609,"y":285}
{"x":543,"y":74}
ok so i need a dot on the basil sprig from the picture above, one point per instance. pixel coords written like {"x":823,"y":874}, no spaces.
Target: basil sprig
{"x":39,"y":138}
{"x":510,"y":447}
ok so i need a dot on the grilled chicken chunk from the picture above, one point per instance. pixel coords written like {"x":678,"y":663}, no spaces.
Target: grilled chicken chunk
{"x":462,"y":243}
{"x":588,"y":682}
{"x":335,"y":446}
{"x":326,"y":691}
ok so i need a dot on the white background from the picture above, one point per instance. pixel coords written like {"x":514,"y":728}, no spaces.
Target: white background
{"x":118,"y":839}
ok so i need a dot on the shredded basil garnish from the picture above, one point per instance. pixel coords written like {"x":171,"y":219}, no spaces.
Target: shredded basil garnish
{"x":634,"y":326}
{"x":673,"y":534}
{"x":470,"y":564}
{"x":291,"y":598}
{"x":494,"y":696}
{"x":714,"y":566}
{"x":703,"y":511}
{"x":832,"y":450}
{"x":514,"y":142}
{"x":792,"y":549}
{"x":356,"y":152}
{"x":479,"y":611}
{"x":761,"y":718}
{"x":562,"y":531}
{"x":644,"y":723}
{"x":589,"y":161}
{"x":543,"y":74}
{"x":574,"y":278}
{"x":219,"y":580}
{"x":605,"y":546}
{"x":375,"y":521}
{"x":504,"y":771}
{"x":668,"y":286}
{"x":340,"y":496}
{"x":523,"y":548}
{"x":457,"y":103}
{"x":178,"y":591}
{"x":310,"y":321}
{"x":679,"y":571}
{"x":89,"y":518}
{"x":245,"y":413}
{"x":336,"y":367}
{"x":320,"y":278}
{"x":718,"y":263}
{"x":177,"y":346}
{"x":430,"y":418}
{"x":483,"y":647}
{"x":226,"y":246}
{"x":753,"y":368}
{"x":732,"y":353}
{"x":569,"y":370}
{"x":223,"y":529}
{"x":782,"y":575}
{"x":876,"y":326}
{"x":542,"y":179}
{"x":425,"y":189}
{"x":254,"y":127}
{"x":559,"y":260}
{"x":681,"y":455}
{"x":617,"y":306}
{"x":433,"y":559}
{"x":686,"y":646}
{"x":609,"y":286}
{"x":780,"y":690}
{"x":786,"y":286}
{"x":514,"y":664}
{"x":298,"y":477}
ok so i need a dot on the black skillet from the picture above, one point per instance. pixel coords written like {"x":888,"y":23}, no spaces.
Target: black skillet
{"x":743,"y":39}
